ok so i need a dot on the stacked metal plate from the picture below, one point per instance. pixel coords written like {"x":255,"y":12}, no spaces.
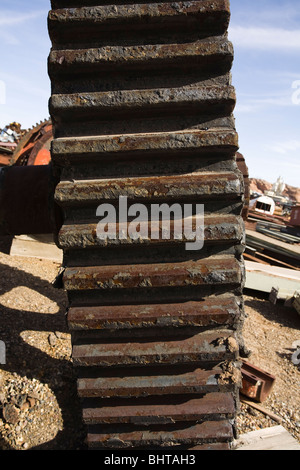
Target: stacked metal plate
{"x":142,"y":107}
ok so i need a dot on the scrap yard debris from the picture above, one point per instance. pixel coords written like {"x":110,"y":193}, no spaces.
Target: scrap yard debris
{"x":26,"y":147}
{"x":12,"y":133}
{"x":10,"y":136}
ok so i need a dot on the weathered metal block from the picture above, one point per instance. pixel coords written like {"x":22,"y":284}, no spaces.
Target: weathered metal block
{"x":71,"y":151}
{"x":226,"y":230}
{"x":207,"y":432}
{"x":142,"y":103}
{"x":199,"y":54}
{"x":159,"y":381}
{"x":212,"y":346}
{"x":224,"y":270}
{"x":151,"y":189}
{"x":87,"y":24}
{"x":219,"y":310}
{"x":256,"y":383}
{"x":159,"y":411}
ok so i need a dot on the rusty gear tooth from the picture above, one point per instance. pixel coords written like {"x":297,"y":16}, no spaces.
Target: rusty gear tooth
{"x":142,"y":107}
{"x":209,"y":432}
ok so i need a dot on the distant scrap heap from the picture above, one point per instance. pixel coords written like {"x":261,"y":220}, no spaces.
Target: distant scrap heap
{"x":9,"y":139}
{"x":22,"y":147}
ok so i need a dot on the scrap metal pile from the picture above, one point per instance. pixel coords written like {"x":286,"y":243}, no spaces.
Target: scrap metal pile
{"x":9,"y":138}
{"x":34,"y":147}
{"x":142,"y":107}
{"x":20,"y":147}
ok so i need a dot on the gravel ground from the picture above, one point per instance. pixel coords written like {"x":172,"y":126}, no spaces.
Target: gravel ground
{"x":270,"y":333}
{"x":39,"y":408}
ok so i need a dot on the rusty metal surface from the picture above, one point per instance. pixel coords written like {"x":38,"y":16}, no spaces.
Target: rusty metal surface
{"x":159,"y":381}
{"x":87,"y":24}
{"x":216,"y":230}
{"x":121,"y":438}
{"x":158,"y":188}
{"x":203,"y":272}
{"x":110,"y":59}
{"x":142,"y":107}
{"x":217,"y":141}
{"x":34,"y":147}
{"x":142,"y":103}
{"x":213,"y":346}
{"x":295,"y":216}
{"x":210,"y":311}
{"x":160,"y":411}
{"x":256,"y":383}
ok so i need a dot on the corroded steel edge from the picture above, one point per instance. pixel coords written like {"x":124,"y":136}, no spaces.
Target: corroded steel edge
{"x":158,"y":347}
{"x":105,"y":437}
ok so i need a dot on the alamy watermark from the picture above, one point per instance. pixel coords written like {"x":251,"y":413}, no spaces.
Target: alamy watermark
{"x":157,"y":222}
{"x":296,"y":93}
{"x":2,"y":92}
{"x":296,"y":354}
{"x":2,"y":353}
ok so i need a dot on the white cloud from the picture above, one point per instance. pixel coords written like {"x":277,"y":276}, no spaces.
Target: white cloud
{"x":16,"y":84}
{"x":252,"y":105}
{"x":245,"y":108}
{"x":9,"y":18}
{"x":8,"y":38}
{"x":265,"y":38}
{"x":286,"y":147}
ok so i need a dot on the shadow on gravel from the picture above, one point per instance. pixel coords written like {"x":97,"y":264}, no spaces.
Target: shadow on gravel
{"x":280,"y":314}
{"x":30,"y":362}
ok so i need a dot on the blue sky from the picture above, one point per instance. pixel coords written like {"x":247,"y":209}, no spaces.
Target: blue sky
{"x":266,"y":38}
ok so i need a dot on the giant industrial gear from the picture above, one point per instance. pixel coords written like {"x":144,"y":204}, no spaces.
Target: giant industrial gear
{"x":142,"y":107}
{"x":34,"y":147}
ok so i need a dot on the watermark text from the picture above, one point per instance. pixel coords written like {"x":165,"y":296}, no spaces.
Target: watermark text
{"x":296,"y":93}
{"x":157,"y":222}
{"x":2,"y":353}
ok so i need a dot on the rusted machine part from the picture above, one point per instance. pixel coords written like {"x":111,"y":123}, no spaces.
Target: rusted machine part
{"x":142,"y":107}
{"x":245,"y":172}
{"x":256,"y":383}
{"x":34,"y":147}
{"x":26,"y":201}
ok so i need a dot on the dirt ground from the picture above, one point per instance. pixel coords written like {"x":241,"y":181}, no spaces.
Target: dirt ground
{"x":39,"y":408}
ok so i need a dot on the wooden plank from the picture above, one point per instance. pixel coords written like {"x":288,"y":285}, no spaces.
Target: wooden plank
{"x":271,"y":262}
{"x":275,"y":271}
{"x":263,"y":278}
{"x":273,"y":438}
{"x":36,"y":246}
{"x":256,"y":239}
{"x":262,"y":410}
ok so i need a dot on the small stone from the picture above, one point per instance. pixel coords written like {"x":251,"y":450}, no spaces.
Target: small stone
{"x":31,"y":401}
{"x":52,"y":339}
{"x":34,"y":394}
{"x":59,"y":335}
{"x":10,"y":413}
{"x":20,"y":400}
{"x":252,"y":412}
{"x":19,"y":441}
{"x":25,"y":406}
